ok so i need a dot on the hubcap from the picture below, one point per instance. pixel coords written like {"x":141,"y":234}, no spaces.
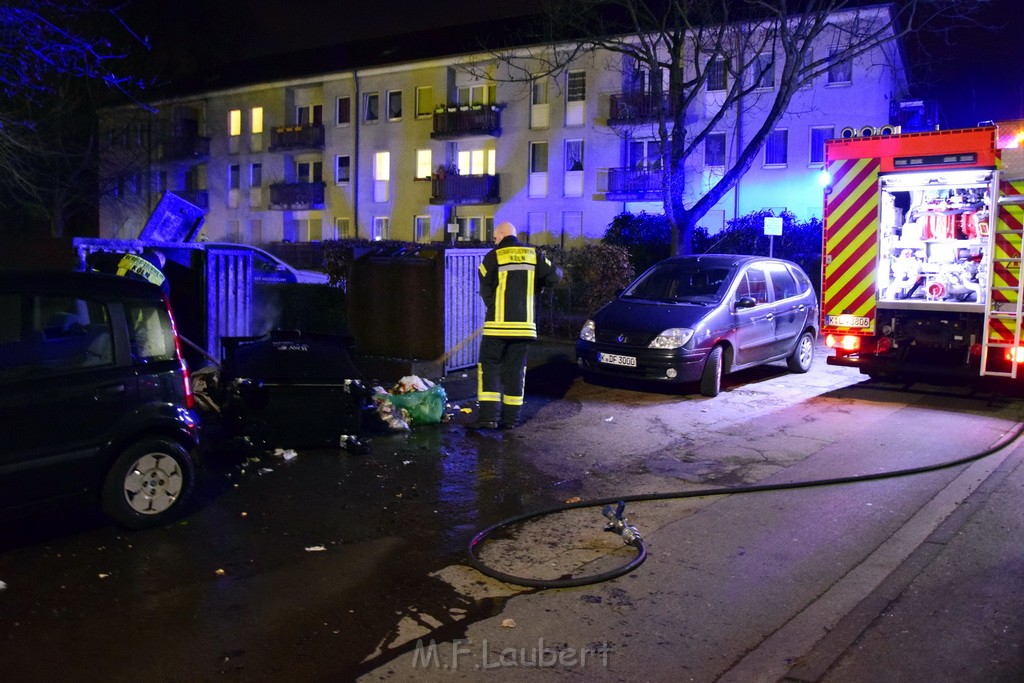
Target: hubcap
{"x":153,"y":484}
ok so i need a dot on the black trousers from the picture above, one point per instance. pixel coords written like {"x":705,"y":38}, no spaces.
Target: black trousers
{"x":501,"y":378}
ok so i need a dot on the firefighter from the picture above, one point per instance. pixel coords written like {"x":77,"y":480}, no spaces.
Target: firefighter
{"x":511,"y":275}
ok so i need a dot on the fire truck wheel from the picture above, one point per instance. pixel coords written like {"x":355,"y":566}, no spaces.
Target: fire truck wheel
{"x":803,"y":354}
{"x":711,"y":379}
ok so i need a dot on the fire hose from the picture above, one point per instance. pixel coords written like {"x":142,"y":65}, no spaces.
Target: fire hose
{"x":619,"y":525}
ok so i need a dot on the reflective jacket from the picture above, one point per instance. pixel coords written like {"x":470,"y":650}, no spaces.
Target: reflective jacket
{"x":511,"y":275}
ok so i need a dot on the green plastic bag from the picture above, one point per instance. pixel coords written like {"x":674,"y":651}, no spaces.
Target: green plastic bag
{"x":423,"y":407}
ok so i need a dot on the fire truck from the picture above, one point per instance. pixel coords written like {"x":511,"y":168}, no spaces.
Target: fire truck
{"x":921,"y":257}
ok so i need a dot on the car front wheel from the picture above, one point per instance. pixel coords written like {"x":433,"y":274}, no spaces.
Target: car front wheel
{"x":148,"y":484}
{"x":803,"y":354}
{"x":711,"y":379}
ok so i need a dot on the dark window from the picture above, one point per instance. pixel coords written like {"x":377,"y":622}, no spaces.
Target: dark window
{"x":717,"y":73}
{"x":344,"y":110}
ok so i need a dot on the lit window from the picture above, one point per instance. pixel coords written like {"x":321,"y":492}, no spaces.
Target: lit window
{"x":257,"y":119}
{"x":423,"y":163}
{"x":235,"y":122}
{"x":382,"y":166}
{"x":424,"y":101}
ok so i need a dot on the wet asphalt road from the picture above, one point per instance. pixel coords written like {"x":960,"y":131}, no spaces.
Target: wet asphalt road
{"x":313,"y":568}
{"x":286,"y":569}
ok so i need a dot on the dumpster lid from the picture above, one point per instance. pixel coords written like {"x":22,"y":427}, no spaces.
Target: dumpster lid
{"x":290,"y":356}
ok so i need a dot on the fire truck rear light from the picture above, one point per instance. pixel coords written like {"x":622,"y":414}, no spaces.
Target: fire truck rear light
{"x":851,"y":343}
{"x":975,"y":351}
{"x":884,"y":344}
{"x":1015,"y":354}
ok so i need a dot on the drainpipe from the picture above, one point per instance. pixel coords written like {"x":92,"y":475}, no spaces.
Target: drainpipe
{"x":354,"y":170}
{"x":739,"y":143}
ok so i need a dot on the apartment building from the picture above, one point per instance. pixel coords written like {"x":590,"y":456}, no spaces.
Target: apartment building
{"x":409,"y":143}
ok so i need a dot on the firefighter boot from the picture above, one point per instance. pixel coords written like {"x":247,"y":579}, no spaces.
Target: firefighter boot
{"x":486,"y":418}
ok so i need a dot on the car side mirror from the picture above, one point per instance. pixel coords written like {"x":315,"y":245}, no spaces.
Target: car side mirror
{"x":746,"y":302}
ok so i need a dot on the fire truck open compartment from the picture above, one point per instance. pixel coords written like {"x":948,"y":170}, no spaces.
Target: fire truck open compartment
{"x":933,"y":240}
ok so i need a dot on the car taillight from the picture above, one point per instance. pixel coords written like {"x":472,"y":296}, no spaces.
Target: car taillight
{"x":186,"y":377}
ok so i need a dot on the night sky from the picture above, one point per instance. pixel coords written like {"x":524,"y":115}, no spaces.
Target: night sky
{"x":975,"y":73}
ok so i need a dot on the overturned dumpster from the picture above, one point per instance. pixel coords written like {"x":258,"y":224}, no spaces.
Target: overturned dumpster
{"x":289,"y":389}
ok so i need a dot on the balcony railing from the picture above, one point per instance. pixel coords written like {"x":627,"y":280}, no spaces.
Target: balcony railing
{"x":200,"y":198}
{"x":634,"y":107}
{"x":296,"y":196}
{"x":634,"y":184}
{"x":459,"y":122}
{"x":180,"y":148}
{"x":308,"y":136}
{"x":465,"y":189}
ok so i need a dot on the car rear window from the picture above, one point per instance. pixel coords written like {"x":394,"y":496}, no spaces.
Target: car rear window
{"x":782,"y":281}
{"x":44,"y":334}
{"x":151,"y":337}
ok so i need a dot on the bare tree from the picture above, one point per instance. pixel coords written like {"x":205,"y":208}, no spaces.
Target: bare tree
{"x":682,"y":46}
{"x":54,"y":60}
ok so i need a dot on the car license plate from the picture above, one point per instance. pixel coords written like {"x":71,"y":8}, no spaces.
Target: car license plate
{"x":615,"y":359}
{"x":848,"y":321}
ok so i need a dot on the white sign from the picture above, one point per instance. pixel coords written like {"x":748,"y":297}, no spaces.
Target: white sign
{"x":773,"y":225}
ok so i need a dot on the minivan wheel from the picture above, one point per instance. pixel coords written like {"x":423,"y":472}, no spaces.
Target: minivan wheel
{"x":803,"y":354}
{"x":148,"y":484}
{"x":711,"y":378}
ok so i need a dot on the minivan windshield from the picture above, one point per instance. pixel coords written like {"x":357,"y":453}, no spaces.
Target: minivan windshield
{"x":693,"y":282}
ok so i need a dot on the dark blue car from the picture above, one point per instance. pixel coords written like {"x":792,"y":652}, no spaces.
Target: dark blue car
{"x":695,"y":318}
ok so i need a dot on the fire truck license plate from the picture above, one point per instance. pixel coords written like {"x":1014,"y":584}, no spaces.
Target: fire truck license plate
{"x":615,"y":359}
{"x":849,"y":321}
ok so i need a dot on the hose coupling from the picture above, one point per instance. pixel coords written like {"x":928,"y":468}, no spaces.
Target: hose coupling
{"x":619,"y":524}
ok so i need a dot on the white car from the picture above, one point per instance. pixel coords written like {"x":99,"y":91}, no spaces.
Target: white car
{"x":269,"y":268}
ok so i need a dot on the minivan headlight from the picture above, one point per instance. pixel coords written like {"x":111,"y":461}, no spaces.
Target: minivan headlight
{"x":587,"y":333}
{"x":672,"y":338}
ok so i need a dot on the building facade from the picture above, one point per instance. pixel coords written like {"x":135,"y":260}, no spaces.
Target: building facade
{"x":443,"y":148}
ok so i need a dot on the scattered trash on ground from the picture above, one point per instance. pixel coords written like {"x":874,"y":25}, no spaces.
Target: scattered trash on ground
{"x":412,"y":400}
{"x":285,"y":453}
{"x":315,"y":549}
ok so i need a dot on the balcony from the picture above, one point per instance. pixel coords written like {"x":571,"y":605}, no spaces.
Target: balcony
{"x":200,"y":198}
{"x":632,"y":184}
{"x":634,"y":107}
{"x":184,"y":148}
{"x":465,"y":189}
{"x":296,"y":196}
{"x":462,"y":122}
{"x":309,"y":136}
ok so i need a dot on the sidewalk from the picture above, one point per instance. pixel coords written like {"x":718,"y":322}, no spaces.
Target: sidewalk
{"x":953,"y":610}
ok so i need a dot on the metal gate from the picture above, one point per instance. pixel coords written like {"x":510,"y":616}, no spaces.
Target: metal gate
{"x":464,"y":310}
